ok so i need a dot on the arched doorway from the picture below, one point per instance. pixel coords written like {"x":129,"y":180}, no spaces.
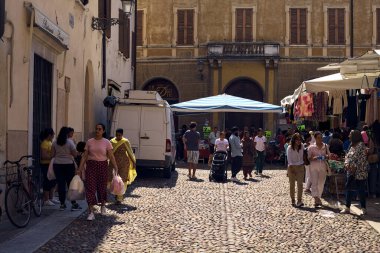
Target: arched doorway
{"x":245,"y":88}
{"x":167,"y":91}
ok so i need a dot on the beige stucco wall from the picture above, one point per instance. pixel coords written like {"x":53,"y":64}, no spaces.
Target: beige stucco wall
{"x":84,"y":50}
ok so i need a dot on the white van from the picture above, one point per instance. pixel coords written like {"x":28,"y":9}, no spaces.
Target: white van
{"x":147,"y":121}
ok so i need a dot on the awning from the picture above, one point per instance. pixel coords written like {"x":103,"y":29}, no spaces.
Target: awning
{"x":225,"y":103}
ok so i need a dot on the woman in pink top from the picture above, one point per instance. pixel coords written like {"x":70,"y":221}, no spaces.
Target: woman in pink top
{"x":318,"y":153}
{"x":97,"y":152}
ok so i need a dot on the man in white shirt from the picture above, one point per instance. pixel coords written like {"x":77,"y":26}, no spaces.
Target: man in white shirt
{"x":260,"y":144}
{"x":212,"y":138}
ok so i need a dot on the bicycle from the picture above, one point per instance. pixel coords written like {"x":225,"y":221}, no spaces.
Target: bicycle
{"x":22,"y":195}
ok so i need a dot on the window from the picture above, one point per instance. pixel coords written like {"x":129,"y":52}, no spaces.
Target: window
{"x":139,"y":28}
{"x":298,"y":26}
{"x":336,"y":34}
{"x":377,"y":26}
{"x":185,"y":35}
{"x":104,"y":11}
{"x":124,"y":33}
{"x":244,"y":25}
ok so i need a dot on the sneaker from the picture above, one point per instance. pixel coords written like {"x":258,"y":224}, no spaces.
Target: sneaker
{"x":55,"y":201}
{"x":194,"y":177}
{"x":299,"y":204}
{"x":48,"y":203}
{"x":62,"y":207}
{"x":76,"y":207}
{"x":345,"y":210}
{"x":91,"y":216}
{"x":364,"y":211}
{"x":103,"y":210}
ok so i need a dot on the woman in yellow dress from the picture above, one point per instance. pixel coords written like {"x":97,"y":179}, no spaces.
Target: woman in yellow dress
{"x":125,"y":160}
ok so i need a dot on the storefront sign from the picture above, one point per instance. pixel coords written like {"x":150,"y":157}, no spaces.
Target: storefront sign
{"x":48,"y":26}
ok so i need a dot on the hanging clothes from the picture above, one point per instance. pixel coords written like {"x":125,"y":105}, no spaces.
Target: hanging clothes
{"x":305,"y":105}
{"x":371,"y":107}
{"x":352,"y":109}
{"x":320,"y":101}
{"x":339,"y":98}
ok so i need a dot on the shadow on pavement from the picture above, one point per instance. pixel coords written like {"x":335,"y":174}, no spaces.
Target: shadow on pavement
{"x":122,"y":208}
{"x":197,"y":180}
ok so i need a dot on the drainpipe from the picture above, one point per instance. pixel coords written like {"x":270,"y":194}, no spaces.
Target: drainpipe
{"x":352,"y":28}
{"x":11,"y":64}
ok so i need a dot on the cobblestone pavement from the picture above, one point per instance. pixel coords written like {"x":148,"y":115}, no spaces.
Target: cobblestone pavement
{"x":179,"y":215}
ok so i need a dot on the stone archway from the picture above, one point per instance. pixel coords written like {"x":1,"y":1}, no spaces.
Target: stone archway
{"x":245,"y":88}
{"x":167,"y":91}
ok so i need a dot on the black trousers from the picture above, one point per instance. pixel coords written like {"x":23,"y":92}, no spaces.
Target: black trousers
{"x":64,"y":173}
{"x":236,"y":164}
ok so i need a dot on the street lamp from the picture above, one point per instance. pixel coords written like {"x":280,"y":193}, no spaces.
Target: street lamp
{"x":105,"y":23}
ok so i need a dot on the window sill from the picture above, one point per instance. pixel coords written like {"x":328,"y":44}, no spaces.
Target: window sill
{"x":185,"y":46}
{"x":81,"y":5}
{"x":122,"y":56}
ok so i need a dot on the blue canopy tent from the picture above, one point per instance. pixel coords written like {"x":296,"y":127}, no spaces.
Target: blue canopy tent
{"x":224,"y":103}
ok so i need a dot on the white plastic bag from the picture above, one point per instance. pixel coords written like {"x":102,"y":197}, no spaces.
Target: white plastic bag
{"x":76,"y":189}
{"x":117,"y":185}
{"x":50,"y":173}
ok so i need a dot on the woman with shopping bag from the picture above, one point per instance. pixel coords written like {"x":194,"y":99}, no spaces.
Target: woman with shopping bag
{"x":97,"y":152}
{"x":126,"y":162}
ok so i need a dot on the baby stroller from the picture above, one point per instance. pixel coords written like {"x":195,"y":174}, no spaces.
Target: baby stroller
{"x":218,"y":170}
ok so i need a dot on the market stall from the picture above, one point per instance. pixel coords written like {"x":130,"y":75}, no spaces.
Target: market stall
{"x":346,"y":100}
{"x":223,"y":103}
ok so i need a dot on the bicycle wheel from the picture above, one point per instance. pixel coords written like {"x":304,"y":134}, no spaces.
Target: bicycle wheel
{"x":36,"y":197}
{"x":17,"y":206}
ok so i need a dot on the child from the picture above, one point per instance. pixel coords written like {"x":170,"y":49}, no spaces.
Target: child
{"x":221,"y":144}
{"x":80,"y":148}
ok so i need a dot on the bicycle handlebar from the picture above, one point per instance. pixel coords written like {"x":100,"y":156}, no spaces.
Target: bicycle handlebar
{"x":19,"y":160}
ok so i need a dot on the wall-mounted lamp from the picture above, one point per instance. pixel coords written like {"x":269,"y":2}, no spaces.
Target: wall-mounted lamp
{"x":200,"y":66}
{"x":105,"y":23}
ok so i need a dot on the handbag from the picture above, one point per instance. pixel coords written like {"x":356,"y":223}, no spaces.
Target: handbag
{"x":328,"y":169}
{"x":364,"y":96}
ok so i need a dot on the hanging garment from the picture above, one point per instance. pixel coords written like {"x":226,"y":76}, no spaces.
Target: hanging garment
{"x":352,"y":109}
{"x":340,"y":100}
{"x":306,"y":106}
{"x":372,"y":107}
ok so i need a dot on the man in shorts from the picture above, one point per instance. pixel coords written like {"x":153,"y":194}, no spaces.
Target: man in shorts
{"x":191,"y":140}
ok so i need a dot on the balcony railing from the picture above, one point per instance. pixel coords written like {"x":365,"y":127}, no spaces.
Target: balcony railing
{"x":243,"y":49}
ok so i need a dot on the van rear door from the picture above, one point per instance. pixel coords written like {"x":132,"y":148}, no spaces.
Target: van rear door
{"x":153,"y":133}
{"x":128,"y":118}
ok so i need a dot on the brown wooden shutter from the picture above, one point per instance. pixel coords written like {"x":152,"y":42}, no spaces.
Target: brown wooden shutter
{"x":239,"y":36}
{"x":293,"y":26}
{"x":189,"y":27}
{"x":302,"y":26}
{"x":126,"y":36}
{"x":341,"y":24}
{"x":331,"y":26}
{"x":139,"y":28}
{"x":121,"y":31}
{"x":248,"y":37}
{"x":181,"y":27}
{"x":378,"y":26}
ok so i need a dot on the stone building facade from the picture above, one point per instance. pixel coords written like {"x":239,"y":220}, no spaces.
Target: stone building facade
{"x":256,"y":49}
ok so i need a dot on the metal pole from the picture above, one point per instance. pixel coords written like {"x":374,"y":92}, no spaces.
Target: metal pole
{"x":135,"y":49}
{"x":352,"y":28}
